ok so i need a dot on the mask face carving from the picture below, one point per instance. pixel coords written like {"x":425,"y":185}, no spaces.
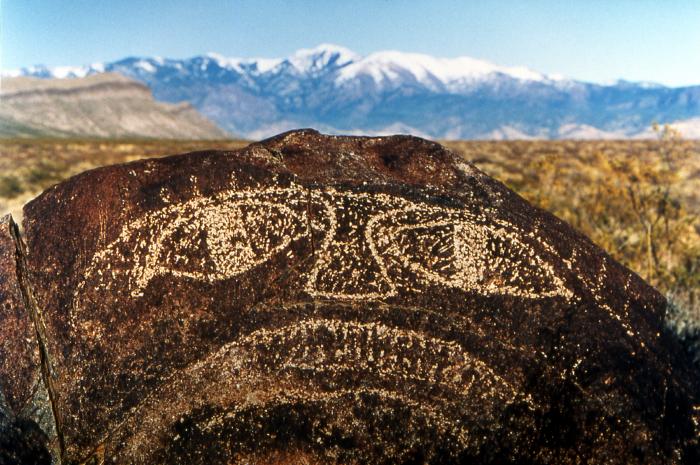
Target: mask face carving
{"x":363,"y":299}
{"x":372,"y":246}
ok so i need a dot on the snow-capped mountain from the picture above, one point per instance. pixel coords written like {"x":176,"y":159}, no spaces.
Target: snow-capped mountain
{"x":334,"y":89}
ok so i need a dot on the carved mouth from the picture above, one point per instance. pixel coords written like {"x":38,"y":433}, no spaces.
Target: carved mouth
{"x":336,"y":375}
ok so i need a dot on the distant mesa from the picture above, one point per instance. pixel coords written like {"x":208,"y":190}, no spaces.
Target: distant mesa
{"x":321,"y":299}
{"x":105,"y":105}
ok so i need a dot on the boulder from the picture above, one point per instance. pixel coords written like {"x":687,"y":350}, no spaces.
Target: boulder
{"x":319,"y":299}
{"x":27,"y":431}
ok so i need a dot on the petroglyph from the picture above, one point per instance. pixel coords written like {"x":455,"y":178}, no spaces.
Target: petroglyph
{"x":345,"y":265}
{"x":383,"y":361}
{"x":373,"y":246}
{"x":453,"y":248}
{"x":282,"y":365}
{"x":205,"y":238}
{"x":354,"y":300}
{"x":376,"y":349}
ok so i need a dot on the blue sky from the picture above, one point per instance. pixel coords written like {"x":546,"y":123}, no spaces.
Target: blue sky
{"x":592,"y":40}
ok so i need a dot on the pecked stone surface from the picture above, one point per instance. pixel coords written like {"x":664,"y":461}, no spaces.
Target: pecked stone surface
{"x":317,"y":299}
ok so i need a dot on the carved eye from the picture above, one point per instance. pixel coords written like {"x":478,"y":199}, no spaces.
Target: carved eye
{"x":435,"y":251}
{"x":418,"y":246}
{"x":435,"y":246}
{"x":203,"y":239}
{"x":228,"y":239}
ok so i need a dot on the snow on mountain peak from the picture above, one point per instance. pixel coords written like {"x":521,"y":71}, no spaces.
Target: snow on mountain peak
{"x":262,"y":65}
{"x":384,"y":68}
{"x":344,"y":53}
{"x":63,"y":72}
{"x":224,"y":62}
{"x":59,"y":72}
{"x":146,"y":66}
{"x":266,"y":64}
{"x":97,"y":67}
{"x":388,"y":66}
{"x":319,"y":57}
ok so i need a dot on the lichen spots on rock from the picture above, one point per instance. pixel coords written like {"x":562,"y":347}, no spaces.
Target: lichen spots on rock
{"x":343,"y":300}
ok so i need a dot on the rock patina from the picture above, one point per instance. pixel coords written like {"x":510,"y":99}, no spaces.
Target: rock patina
{"x":27,"y":429}
{"x":318,"y":299}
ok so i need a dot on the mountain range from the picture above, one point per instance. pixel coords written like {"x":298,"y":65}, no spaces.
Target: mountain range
{"x":336,"y":90}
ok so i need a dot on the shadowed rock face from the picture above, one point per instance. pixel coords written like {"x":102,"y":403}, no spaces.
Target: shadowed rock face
{"x":315,"y":299}
{"x":23,"y":398}
{"x":19,"y":350}
{"x":22,"y":442}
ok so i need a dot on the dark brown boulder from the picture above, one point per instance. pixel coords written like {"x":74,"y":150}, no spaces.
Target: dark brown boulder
{"x":25,"y":409}
{"x":316,"y":299}
{"x":19,"y":351}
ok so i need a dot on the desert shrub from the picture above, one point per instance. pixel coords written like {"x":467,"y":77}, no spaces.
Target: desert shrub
{"x":44,"y":173}
{"x":10,"y":186}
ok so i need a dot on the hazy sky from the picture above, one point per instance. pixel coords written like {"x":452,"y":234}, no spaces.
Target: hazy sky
{"x":649,"y":40}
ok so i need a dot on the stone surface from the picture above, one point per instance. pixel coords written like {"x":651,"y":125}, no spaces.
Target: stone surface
{"x":19,"y":350}
{"x":22,"y":442}
{"x":316,"y":299}
{"x":25,"y":408}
